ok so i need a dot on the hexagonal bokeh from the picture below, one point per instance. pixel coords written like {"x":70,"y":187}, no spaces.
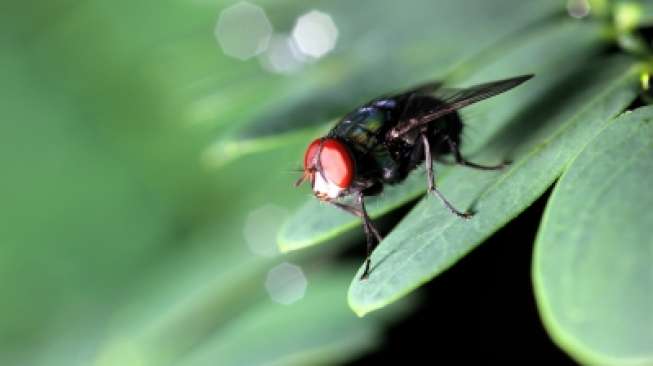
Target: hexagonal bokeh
{"x":578,"y":8}
{"x":286,"y":283}
{"x":261,"y":227}
{"x":282,"y":55}
{"x":243,"y":30}
{"x":315,"y":33}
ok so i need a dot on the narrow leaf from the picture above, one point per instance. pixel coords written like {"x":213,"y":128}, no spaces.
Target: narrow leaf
{"x":541,"y":141}
{"x":574,"y":43}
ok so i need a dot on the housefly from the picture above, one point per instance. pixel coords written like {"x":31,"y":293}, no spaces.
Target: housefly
{"x":382,"y":141}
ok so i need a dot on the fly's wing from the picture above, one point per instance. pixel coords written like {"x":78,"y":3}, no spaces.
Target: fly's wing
{"x":427,"y":88}
{"x":452,"y":100}
{"x":406,"y":96}
{"x":410,"y":100}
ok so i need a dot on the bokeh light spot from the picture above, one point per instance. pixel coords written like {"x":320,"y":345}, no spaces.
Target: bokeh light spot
{"x":282,"y":56}
{"x":286,"y":283}
{"x":243,"y":30}
{"x":315,"y":33}
{"x":261,"y":227}
{"x":578,"y":8}
{"x":627,"y":16}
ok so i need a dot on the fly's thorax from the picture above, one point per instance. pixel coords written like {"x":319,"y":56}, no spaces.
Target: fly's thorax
{"x":362,"y":128}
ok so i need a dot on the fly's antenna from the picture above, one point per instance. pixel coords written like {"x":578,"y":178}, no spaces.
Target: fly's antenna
{"x":300,"y":180}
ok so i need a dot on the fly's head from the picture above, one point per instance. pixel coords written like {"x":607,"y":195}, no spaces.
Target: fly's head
{"x":329,"y":166}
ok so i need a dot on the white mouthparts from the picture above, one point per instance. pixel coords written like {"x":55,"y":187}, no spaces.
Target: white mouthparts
{"x":325,"y":187}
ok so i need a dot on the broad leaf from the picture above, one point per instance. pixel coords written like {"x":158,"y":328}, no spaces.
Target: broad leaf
{"x":542,"y":141}
{"x":592,"y":266}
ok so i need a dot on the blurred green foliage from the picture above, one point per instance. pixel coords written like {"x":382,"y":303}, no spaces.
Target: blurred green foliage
{"x":133,"y":152}
{"x":119,"y":244}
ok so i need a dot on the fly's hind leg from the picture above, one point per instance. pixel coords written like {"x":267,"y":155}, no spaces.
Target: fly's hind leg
{"x":430,"y":174}
{"x":462,"y":161}
{"x":372,"y":235}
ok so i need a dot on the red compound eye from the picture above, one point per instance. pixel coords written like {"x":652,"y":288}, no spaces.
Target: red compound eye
{"x":337,"y":164}
{"x":310,"y":154}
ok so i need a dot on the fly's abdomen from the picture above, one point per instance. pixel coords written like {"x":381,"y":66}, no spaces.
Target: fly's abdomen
{"x":446,"y":128}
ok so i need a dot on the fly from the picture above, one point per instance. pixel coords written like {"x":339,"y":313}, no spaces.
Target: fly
{"x":382,"y":141}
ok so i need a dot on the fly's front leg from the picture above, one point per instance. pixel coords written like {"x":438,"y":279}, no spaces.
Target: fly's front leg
{"x":430,"y":174}
{"x":462,"y":161}
{"x":352,"y":210}
{"x":372,"y":235}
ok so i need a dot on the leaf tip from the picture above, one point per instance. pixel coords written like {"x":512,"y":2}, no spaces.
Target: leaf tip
{"x":283,"y":248}
{"x":283,"y":244}
{"x":359,"y":308}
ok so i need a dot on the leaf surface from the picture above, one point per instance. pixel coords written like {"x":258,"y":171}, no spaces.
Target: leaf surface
{"x":592,"y":264}
{"x":503,"y":115}
{"x":542,"y":142}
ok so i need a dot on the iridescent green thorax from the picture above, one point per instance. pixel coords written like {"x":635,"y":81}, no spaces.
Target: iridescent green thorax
{"x":364,"y":131}
{"x":363,"y":128}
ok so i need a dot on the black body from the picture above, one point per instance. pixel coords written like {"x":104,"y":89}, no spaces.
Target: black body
{"x":380,"y":160}
{"x":390,"y":136}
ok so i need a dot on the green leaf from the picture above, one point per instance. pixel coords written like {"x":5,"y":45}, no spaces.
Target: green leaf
{"x":592,"y":267}
{"x":118,"y":245}
{"x":542,"y":141}
{"x":275,"y":334}
{"x":574,"y":42}
{"x":183,"y":300}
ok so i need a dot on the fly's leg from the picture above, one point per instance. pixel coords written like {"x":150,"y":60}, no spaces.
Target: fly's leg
{"x":462,"y":161}
{"x":352,"y":210}
{"x":372,"y":235}
{"x":359,"y":212}
{"x":430,"y":174}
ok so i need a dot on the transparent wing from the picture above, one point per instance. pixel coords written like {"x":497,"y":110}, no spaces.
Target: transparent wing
{"x":451,"y":100}
{"x":427,"y":88}
{"x":406,"y":96}
{"x":410,"y":99}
